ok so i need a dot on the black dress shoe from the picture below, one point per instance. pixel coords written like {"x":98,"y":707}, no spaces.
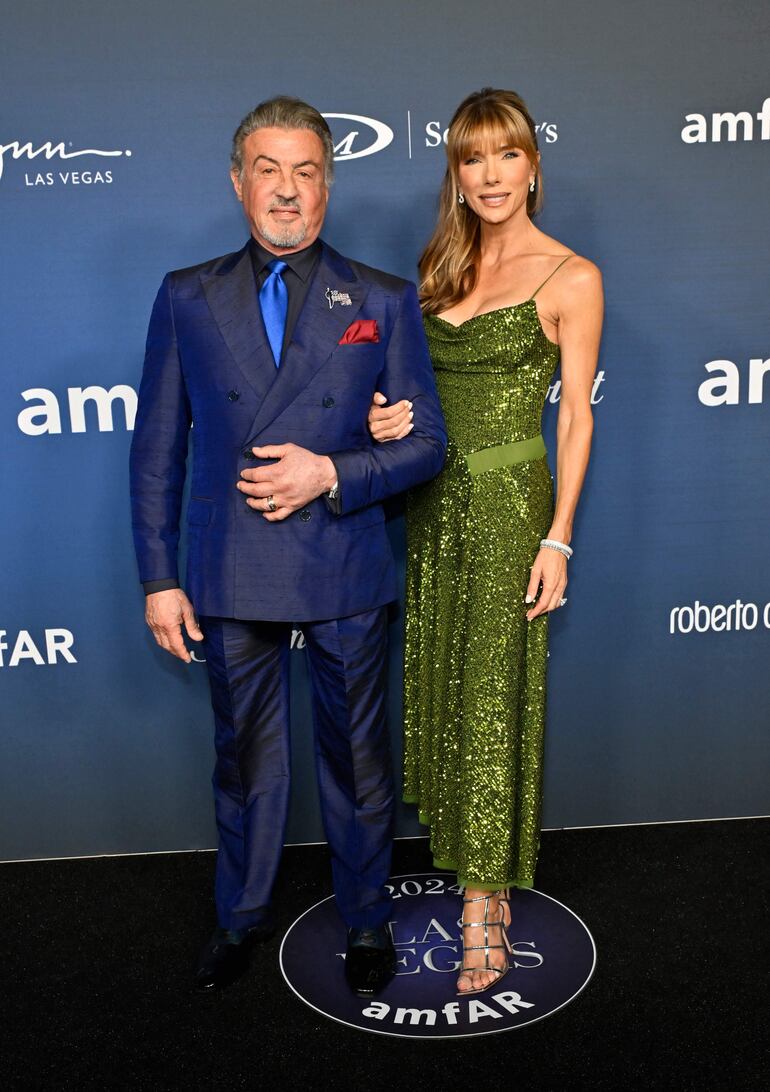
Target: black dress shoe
{"x":370,"y":961}
{"x":226,"y":956}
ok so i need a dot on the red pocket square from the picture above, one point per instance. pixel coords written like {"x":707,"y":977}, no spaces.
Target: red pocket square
{"x":360,"y":332}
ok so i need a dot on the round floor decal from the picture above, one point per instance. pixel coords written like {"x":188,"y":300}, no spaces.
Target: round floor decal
{"x":554,"y":957}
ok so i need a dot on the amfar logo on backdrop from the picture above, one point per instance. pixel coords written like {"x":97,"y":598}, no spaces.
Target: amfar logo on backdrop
{"x":47,"y":414}
{"x":726,"y":126}
{"x":374,"y":136}
{"x":728,"y":388}
{"x":44,"y":415}
{"x":55,"y":645}
{"x":62,"y":152}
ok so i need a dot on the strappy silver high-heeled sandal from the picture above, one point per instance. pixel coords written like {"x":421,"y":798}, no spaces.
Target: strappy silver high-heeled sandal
{"x":486,"y":947}
{"x":504,"y":898}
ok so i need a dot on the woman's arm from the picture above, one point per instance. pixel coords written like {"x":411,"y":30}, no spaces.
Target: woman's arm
{"x":389,"y":422}
{"x":581,"y":309}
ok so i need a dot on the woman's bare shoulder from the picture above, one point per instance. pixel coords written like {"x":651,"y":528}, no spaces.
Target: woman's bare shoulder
{"x":578,"y":268}
{"x":579,"y":273}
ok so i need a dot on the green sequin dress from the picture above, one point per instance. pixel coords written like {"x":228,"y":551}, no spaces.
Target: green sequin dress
{"x":475,"y":669}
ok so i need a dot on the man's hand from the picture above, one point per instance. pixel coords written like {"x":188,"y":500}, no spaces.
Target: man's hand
{"x":165,"y":612}
{"x":393,"y":423}
{"x":298,"y":477}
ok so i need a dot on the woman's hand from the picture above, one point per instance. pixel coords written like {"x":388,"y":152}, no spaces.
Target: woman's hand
{"x":550,"y":571}
{"x":391,"y":423}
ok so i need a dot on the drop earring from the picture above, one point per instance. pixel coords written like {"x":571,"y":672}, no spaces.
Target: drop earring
{"x":460,"y":198}
{"x":532,"y":186}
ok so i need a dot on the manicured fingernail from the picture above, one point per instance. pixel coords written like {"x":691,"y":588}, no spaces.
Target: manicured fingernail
{"x":409,"y":404}
{"x":410,"y":427}
{"x":528,"y":599}
{"x":411,"y":414}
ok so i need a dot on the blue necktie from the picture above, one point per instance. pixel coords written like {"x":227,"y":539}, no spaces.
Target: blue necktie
{"x":274,"y":301}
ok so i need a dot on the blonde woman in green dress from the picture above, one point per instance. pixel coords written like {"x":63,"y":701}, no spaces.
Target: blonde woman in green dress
{"x":503,"y":304}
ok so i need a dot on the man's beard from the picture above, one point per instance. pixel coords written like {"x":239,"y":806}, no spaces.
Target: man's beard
{"x":290,"y":235}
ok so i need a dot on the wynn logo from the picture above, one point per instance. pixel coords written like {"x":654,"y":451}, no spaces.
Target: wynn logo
{"x":17,"y":150}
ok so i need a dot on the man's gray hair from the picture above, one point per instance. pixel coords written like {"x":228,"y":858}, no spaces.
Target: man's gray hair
{"x":284,"y":112}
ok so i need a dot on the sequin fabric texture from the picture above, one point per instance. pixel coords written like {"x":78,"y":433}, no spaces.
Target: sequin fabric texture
{"x":475,"y":669}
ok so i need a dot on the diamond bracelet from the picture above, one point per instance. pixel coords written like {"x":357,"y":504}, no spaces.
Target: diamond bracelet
{"x":553,"y":544}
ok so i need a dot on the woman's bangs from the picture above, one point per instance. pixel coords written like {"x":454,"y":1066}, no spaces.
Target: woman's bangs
{"x":490,"y":134}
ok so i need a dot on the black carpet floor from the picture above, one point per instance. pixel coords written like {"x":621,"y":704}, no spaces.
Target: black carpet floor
{"x":97,"y":955}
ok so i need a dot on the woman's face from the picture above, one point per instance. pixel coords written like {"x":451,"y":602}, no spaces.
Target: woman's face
{"x":495,"y":182}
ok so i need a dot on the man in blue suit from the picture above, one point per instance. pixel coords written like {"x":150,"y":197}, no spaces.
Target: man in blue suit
{"x":273,"y":354}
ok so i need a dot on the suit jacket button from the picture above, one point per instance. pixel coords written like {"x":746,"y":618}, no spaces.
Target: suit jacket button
{"x":233,"y":396}
{"x":305,"y":515}
{"x":328,"y":402}
{"x":249,"y":454}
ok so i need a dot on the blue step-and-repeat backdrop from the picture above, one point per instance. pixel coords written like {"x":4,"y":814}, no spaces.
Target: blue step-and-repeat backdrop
{"x":654,"y":121}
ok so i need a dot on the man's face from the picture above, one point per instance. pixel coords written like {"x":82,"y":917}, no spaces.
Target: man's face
{"x":282,"y":188}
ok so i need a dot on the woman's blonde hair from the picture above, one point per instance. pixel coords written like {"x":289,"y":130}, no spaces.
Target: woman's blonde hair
{"x":449,"y":264}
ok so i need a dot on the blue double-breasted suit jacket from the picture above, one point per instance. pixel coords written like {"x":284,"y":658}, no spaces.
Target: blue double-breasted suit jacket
{"x":209,"y":366}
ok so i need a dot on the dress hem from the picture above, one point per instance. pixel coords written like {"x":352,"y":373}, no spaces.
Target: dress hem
{"x":451,"y":866}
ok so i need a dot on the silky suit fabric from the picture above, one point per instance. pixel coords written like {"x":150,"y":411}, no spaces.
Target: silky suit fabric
{"x":208,"y":364}
{"x":209,"y":370}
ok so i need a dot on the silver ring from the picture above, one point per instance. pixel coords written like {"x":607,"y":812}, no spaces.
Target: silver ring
{"x":271,"y":505}
{"x":562,"y":602}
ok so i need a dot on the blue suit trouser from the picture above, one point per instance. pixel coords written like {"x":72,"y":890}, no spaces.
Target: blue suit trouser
{"x":248,"y":666}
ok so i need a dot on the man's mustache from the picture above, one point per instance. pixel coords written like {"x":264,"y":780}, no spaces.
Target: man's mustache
{"x":284,"y":203}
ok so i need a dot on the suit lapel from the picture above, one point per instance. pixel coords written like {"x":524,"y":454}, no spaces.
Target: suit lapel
{"x":232,"y":297}
{"x":316,"y":335}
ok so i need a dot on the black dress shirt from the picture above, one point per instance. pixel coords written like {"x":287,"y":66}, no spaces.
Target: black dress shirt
{"x":297,"y":276}
{"x":301,"y":266}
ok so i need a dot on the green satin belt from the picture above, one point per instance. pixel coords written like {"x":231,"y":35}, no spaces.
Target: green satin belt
{"x":491,"y":458}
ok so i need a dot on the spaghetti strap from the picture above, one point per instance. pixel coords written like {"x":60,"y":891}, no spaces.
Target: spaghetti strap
{"x":547,"y":279}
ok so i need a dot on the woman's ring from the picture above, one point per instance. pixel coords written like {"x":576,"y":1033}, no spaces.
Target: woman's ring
{"x":562,"y":602}
{"x":271,"y":505}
